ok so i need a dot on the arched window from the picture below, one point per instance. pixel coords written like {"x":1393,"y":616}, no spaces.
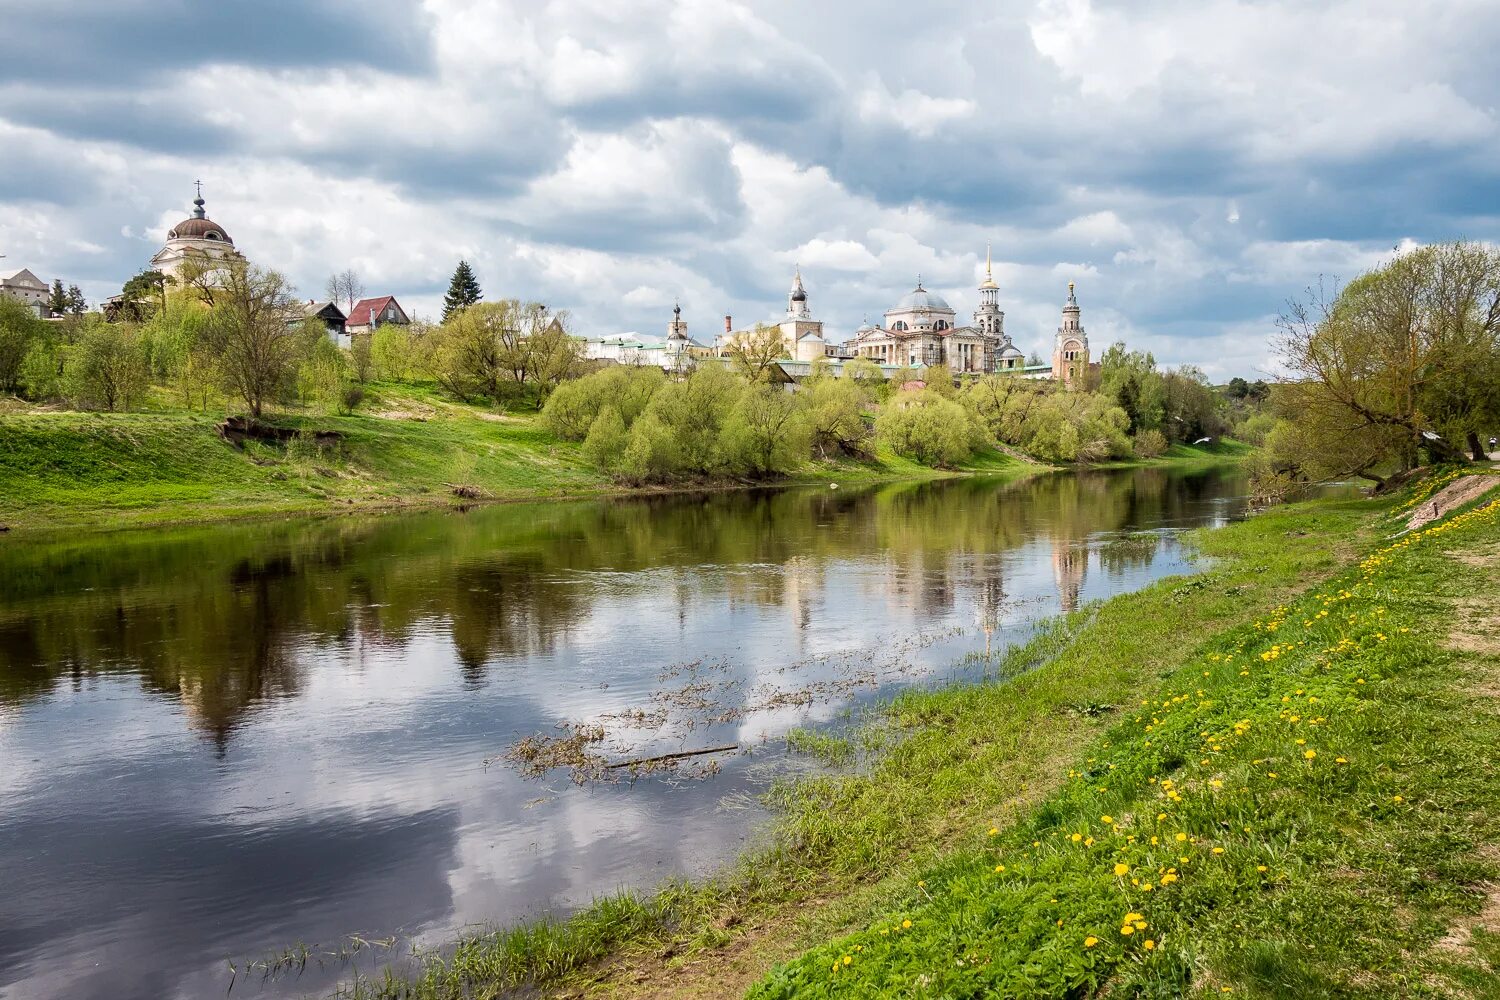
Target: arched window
{"x":900,"y":326}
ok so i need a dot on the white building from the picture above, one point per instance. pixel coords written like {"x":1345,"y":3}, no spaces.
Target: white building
{"x":198,"y":240}
{"x":922,"y":329}
{"x":675,"y":352}
{"x":801,"y":335}
{"x":28,"y":288}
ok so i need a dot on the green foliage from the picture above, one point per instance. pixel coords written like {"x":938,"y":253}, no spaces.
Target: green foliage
{"x":394,"y":352}
{"x":42,"y":369}
{"x":765,"y":433}
{"x":927,"y":427}
{"x":19,"y":329}
{"x":1402,"y":361}
{"x":866,"y":374}
{"x":1297,"y":810}
{"x":1051,"y":423}
{"x":682,"y":437}
{"x":1149,"y":444}
{"x":107,"y":369}
{"x":833,"y":407}
{"x":607,"y":440}
{"x":325,"y":378}
{"x":1130,"y":378}
{"x":463,"y":291}
{"x":573,"y":406}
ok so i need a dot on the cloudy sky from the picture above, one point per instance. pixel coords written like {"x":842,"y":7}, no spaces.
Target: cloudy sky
{"x":1190,"y":163}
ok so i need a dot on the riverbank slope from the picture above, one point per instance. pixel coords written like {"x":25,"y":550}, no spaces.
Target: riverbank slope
{"x":1299,"y":771}
{"x":407,"y":448}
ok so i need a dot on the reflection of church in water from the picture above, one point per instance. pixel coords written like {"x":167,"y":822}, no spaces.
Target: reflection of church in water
{"x":1070,"y":565}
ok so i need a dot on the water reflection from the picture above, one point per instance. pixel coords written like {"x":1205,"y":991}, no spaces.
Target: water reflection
{"x":219,"y":741}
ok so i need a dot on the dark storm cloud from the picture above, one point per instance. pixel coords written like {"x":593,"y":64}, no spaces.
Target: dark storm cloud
{"x":123,"y":42}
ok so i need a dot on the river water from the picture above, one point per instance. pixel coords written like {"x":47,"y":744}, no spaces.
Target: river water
{"x":220,"y":742}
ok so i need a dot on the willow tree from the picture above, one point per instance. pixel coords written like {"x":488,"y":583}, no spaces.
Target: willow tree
{"x":1393,"y":365}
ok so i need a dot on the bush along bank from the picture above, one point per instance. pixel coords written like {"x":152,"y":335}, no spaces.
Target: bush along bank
{"x":1307,"y":809}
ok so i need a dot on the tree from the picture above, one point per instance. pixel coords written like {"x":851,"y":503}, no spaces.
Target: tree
{"x":143,"y":294}
{"x":1238,"y":388}
{"x":927,"y":427}
{"x":754,"y":353}
{"x":19,"y":329}
{"x":1131,"y":380}
{"x":255,"y":335}
{"x":345,"y":287}
{"x":463,"y":291}
{"x":469,"y":360}
{"x":1383,"y":371}
{"x":571,"y":410}
{"x":548,"y":353}
{"x":57,"y":302}
{"x":833,"y":408}
{"x":77,"y":305}
{"x":394,"y":351}
{"x":607,"y":440}
{"x":765,"y":433}
{"x":107,"y":368}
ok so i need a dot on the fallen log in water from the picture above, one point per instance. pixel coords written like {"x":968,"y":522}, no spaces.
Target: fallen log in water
{"x":671,"y":756}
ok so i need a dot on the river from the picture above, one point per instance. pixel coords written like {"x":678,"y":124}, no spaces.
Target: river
{"x":220,"y":742}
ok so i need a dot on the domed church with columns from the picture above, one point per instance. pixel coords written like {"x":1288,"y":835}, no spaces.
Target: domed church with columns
{"x":197,"y":240}
{"x":922,"y":329}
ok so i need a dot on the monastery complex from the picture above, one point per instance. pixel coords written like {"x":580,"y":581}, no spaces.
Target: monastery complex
{"x":920,"y":330}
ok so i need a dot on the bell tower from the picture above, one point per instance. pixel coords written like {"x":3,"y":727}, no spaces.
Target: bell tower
{"x":988,"y":318}
{"x":1070,"y":354}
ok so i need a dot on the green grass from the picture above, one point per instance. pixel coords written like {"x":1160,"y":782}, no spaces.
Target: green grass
{"x":851,"y":850}
{"x":1305,"y":807}
{"x":407,"y":446}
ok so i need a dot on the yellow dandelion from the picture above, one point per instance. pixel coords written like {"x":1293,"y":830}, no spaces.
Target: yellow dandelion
{"x":1122,"y":869}
{"x":1150,"y":945}
{"x":1089,"y":942}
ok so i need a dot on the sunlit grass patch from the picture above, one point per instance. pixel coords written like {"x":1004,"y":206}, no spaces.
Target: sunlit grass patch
{"x":1300,"y":812}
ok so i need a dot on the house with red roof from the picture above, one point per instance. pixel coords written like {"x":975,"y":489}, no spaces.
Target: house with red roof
{"x":368,"y":314}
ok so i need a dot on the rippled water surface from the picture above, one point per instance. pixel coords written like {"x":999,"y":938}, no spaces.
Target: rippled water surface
{"x":219,"y":742}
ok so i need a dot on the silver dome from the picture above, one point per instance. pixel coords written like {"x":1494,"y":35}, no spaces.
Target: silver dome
{"x":921,"y":298}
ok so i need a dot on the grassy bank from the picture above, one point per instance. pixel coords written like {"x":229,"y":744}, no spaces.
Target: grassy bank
{"x":1305,"y":807}
{"x":907,"y":836}
{"x":407,"y":447}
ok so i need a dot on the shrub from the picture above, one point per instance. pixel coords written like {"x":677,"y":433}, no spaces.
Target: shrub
{"x":928,"y":428}
{"x":607,"y":440}
{"x":833,"y":415}
{"x":765,"y":433}
{"x":1149,"y":443}
{"x":107,"y":368}
{"x":572,"y":408}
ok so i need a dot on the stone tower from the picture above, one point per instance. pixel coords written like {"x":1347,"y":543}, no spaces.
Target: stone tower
{"x":796,"y":300}
{"x":988,"y":318}
{"x":677,"y":338}
{"x":1070,"y":354}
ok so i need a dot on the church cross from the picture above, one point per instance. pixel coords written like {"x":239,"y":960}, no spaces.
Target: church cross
{"x":199,"y":186}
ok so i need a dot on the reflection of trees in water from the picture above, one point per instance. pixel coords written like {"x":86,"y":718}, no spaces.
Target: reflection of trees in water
{"x":225,"y":618}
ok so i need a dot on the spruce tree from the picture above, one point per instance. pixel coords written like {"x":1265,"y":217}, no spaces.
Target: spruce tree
{"x":58,"y":302}
{"x":463,"y":290}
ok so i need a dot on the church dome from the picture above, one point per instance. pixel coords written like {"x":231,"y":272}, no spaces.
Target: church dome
{"x":199,"y":227}
{"x":921,"y":298}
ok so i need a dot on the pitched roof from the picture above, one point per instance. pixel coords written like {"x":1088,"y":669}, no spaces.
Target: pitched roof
{"x":365,"y":311}
{"x":315,"y":308}
{"x":23,"y":277}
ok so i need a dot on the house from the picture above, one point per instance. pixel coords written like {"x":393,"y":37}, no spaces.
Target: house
{"x":27,"y":287}
{"x":332,"y":318}
{"x":368,"y":314}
